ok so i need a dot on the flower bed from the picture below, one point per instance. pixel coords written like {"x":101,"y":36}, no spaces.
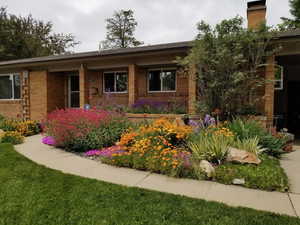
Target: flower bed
{"x":240,"y":150}
{"x":13,"y":131}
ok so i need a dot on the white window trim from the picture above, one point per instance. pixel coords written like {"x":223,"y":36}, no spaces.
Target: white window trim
{"x":115,"y":83}
{"x":11,"y":76}
{"x":161,"y":82}
{"x":280,"y":80}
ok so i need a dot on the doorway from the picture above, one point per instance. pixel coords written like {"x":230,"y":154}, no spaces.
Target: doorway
{"x":293,"y":121}
{"x":73,"y":91}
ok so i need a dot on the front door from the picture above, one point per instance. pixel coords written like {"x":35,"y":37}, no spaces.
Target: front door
{"x":74,"y":92}
{"x":294,"y":107}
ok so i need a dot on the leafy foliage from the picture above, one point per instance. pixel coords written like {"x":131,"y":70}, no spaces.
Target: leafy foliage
{"x":120,"y":30}
{"x":228,"y":60}
{"x":248,"y":129}
{"x":294,"y":23}
{"x":12,"y":137}
{"x":81,"y":130}
{"x":250,"y":145}
{"x":26,"y":37}
{"x":267,"y":176}
{"x":212,"y":147}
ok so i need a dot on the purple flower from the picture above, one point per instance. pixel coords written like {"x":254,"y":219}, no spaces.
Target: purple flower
{"x":209,"y":120}
{"x":106,"y":152}
{"x":48,"y":140}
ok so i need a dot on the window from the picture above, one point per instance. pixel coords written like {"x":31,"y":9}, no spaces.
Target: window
{"x":10,"y":86}
{"x":279,"y":78}
{"x":115,"y":82}
{"x":162,"y":80}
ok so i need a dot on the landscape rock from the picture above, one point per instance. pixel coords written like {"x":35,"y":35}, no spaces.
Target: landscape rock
{"x":239,"y":181}
{"x":206,"y":167}
{"x":242,"y":156}
{"x":1,"y":132}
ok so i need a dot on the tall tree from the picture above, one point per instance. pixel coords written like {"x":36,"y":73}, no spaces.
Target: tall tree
{"x":293,"y":23}
{"x":26,"y":37}
{"x":228,"y":59}
{"x":120,"y":30}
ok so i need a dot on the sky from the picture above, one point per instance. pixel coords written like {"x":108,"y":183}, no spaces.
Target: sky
{"x":159,"y":21}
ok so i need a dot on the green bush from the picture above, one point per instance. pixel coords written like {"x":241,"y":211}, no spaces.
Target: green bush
{"x":103,"y":136}
{"x":266,"y":176}
{"x":250,"y":145}
{"x":209,"y":146}
{"x":248,"y":129}
{"x":273,"y":146}
{"x":2,"y":118}
{"x":245,"y":129}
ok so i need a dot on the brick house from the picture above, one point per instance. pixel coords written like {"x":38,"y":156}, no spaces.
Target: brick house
{"x":31,"y":88}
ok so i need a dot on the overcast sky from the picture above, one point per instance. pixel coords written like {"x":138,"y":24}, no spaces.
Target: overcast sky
{"x":159,"y":21}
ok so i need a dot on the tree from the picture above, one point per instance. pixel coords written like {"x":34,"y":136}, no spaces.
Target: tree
{"x":294,"y":23}
{"x":228,"y":59}
{"x":120,"y":30}
{"x":26,"y":37}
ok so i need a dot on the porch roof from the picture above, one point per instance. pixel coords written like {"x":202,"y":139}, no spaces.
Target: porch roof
{"x":101,"y":53}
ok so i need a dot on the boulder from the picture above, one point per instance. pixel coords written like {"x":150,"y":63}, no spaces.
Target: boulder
{"x":1,"y":132}
{"x":242,"y":156}
{"x":239,"y":181}
{"x":206,"y":167}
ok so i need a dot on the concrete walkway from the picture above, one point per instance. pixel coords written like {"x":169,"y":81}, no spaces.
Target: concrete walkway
{"x":283,"y":203}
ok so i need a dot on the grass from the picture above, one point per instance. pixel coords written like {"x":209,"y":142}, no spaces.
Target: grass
{"x":34,"y":195}
{"x":266,"y":176}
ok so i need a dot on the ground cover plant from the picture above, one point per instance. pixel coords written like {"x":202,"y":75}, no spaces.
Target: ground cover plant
{"x":32,"y":194}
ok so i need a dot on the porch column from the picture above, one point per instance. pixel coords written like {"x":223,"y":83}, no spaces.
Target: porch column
{"x":192,"y":90}
{"x":269,"y":90}
{"x":83,"y":86}
{"x":132,"y":88}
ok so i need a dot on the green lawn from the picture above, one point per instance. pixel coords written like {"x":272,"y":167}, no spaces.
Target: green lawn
{"x":34,"y":195}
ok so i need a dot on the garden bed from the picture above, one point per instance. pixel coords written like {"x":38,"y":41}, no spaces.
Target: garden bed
{"x":238,"y":152}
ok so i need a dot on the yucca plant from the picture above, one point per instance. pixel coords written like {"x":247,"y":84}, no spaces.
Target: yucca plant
{"x":249,"y":145}
{"x":210,"y":147}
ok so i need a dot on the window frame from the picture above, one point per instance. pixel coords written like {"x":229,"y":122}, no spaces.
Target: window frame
{"x":11,"y":77}
{"x":161,"y":81}
{"x":280,"y":81}
{"x":115,"y":82}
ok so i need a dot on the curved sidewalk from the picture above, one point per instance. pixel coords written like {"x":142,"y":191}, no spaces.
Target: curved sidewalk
{"x":283,"y":203}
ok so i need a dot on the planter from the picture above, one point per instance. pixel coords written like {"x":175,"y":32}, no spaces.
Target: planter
{"x":149,"y":117}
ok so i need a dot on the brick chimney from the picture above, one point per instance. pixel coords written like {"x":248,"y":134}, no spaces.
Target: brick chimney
{"x":256,"y":13}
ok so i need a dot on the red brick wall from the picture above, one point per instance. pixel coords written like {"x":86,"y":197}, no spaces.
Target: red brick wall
{"x":38,"y":94}
{"x":98,"y":97}
{"x":11,"y":108}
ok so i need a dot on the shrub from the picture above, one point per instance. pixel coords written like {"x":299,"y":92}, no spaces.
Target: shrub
{"x":273,"y":146}
{"x":247,"y":129}
{"x":26,"y":127}
{"x":267,"y":176}
{"x":12,"y":137}
{"x":81,"y":130}
{"x":211,"y":145}
{"x":250,"y":145}
{"x":156,"y":147}
{"x":2,"y":117}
